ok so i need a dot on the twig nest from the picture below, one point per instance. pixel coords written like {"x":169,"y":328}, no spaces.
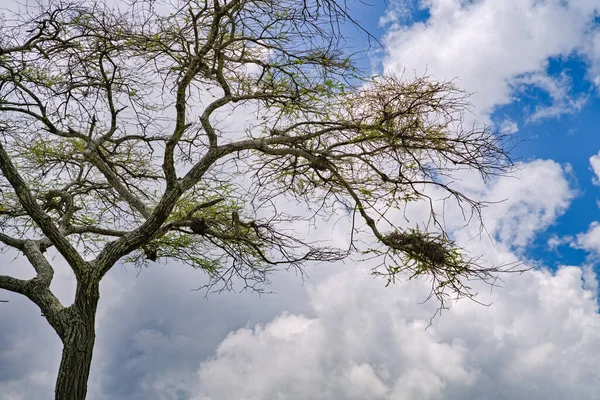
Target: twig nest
{"x":199,"y":226}
{"x":417,"y":245}
{"x":320,"y":163}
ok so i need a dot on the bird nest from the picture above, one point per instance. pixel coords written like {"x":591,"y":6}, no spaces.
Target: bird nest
{"x":424,"y":247}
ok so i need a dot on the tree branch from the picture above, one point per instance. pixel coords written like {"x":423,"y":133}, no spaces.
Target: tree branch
{"x":14,"y":285}
{"x":114,"y":180}
{"x":45,"y":223}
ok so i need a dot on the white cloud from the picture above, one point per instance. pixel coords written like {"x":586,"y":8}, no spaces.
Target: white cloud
{"x":555,"y":241}
{"x":533,"y":198}
{"x":370,"y":342}
{"x":595,"y":166}
{"x":489,"y":45}
{"x":396,"y":11}
{"x":356,"y":340}
{"x":151,"y":330}
{"x":508,"y":126}
{"x":592,"y":50}
{"x":520,"y":205}
{"x":558,"y":88}
{"x":590,"y":240}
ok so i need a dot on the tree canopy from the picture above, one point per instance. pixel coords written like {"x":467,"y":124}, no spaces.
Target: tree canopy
{"x":122,"y":142}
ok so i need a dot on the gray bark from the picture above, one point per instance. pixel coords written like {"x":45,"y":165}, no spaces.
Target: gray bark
{"x":76,"y":328}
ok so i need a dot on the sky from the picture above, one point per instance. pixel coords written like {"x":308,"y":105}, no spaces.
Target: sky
{"x":533,"y":67}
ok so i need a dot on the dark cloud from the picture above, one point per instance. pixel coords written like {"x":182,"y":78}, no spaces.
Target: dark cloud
{"x":153,"y":331}
{"x":151,"y":340}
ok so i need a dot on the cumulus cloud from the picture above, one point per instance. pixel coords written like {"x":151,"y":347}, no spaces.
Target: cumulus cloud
{"x":520,"y":205}
{"x":531,"y":200}
{"x":152,"y":330}
{"x":592,"y":50}
{"x":491,"y":46}
{"x":595,"y":166}
{"x":367,"y":341}
{"x":589,"y":240}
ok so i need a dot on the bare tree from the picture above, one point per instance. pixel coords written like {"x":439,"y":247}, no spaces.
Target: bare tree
{"x":115,"y":148}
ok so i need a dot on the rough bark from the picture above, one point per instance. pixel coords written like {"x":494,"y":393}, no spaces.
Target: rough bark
{"x":75,"y":364}
{"x":78,"y":335}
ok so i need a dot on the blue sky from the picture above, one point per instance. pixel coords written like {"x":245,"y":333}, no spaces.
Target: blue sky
{"x":533,"y":69}
{"x":570,"y":138}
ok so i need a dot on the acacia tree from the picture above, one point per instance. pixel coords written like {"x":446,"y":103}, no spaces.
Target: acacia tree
{"x":115,"y":148}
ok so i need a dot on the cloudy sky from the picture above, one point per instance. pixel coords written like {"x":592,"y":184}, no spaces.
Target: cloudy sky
{"x":533,"y":67}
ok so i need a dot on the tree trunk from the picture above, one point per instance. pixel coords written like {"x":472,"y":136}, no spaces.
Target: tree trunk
{"x":78,"y":347}
{"x":78,"y":335}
